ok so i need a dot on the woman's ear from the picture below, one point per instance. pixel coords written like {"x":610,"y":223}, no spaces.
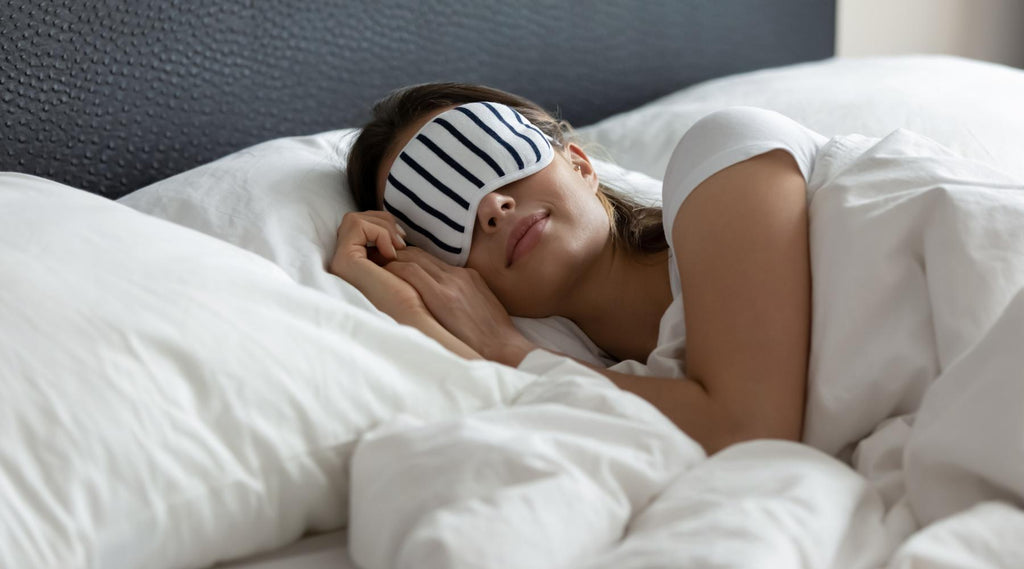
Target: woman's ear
{"x":581,"y":164}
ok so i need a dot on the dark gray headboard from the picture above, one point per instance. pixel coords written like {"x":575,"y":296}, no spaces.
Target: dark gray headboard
{"x":112,"y":95}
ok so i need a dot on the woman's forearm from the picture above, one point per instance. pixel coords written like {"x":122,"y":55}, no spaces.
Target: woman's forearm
{"x":431,"y":327}
{"x":712,"y":421}
{"x":688,"y":405}
{"x":685,"y":403}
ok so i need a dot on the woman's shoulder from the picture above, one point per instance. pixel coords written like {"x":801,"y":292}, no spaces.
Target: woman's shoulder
{"x":735,"y":128}
{"x":726,"y":137}
{"x":737,"y":120}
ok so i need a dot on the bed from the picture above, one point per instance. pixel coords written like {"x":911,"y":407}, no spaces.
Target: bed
{"x":184,"y":384}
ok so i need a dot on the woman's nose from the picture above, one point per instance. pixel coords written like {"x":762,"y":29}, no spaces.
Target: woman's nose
{"x":493,"y":210}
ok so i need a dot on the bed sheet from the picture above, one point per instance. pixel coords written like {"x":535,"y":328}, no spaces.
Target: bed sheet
{"x":326,"y":551}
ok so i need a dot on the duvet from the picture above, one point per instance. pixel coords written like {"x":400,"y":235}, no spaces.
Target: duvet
{"x":915,"y":417}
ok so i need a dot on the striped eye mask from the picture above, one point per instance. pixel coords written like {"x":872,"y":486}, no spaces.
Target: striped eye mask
{"x":437,"y":181}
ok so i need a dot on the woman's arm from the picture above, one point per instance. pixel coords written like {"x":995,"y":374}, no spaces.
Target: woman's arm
{"x":431,"y":327}
{"x":741,"y":242}
{"x":367,"y":240}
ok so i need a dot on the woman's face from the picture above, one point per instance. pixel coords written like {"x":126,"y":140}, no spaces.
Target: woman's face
{"x":536,"y":237}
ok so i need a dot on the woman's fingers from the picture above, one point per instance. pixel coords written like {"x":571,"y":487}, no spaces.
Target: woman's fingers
{"x":419,"y":278}
{"x":358,"y":231}
{"x":435,"y":267}
{"x":390,"y":222}
{"x":461,"y":302}
{"x":376,"y":235}
{"x":441,"y":285}
{"x":394,"y":231}
{"x":351,"y":250}
{"x":382,"y":215}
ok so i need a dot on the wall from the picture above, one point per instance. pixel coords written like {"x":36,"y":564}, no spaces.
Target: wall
{"x":991,"y":30}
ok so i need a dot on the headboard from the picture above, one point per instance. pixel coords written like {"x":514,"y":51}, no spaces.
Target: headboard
{"x":110,"y":95}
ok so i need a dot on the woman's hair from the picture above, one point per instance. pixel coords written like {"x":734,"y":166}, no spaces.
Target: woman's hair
{"x":634,"y":226}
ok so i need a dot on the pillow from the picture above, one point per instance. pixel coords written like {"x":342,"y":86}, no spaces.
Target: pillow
{"x":284,"y":199}
{"x":171,"y":400}
{"x":968,"y":106}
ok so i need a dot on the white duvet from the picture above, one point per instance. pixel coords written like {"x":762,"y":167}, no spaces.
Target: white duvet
{"x":918,"y":268}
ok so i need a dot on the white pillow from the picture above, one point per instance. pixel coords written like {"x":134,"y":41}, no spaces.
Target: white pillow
{"x":285,"y":198}
{"x":971,"y":107}
{"x":170,"y":400}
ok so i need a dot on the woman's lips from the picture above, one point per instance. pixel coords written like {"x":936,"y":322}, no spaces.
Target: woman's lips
{"x":524,"y":236}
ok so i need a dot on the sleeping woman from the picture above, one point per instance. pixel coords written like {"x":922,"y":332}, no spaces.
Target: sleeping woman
{"x":477,"y":205}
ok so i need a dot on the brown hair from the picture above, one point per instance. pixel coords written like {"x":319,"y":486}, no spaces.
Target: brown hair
{"x":634,"y":226}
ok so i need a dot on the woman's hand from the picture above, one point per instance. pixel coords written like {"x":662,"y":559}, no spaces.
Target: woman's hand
{"x":367,"y":240}
{"x":463,"y":303}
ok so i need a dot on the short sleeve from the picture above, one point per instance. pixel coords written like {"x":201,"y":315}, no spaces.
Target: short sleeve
{"x":727,"y":137}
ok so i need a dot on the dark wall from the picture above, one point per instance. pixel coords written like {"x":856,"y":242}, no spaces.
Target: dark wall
{"x":111,"y":96}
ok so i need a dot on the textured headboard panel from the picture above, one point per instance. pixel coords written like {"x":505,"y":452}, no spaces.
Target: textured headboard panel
{"x":112,"y":95}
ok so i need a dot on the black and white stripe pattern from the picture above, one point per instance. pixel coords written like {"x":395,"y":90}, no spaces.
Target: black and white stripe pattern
{"x":437,"y":181}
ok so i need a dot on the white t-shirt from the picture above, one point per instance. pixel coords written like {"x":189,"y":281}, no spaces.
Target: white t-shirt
{"x":715,"y":142}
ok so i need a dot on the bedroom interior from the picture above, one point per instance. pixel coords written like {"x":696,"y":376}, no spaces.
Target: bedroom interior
{"x":185,"y":384}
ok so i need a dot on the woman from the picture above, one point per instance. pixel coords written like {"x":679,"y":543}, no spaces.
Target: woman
{"x":509,"y":218}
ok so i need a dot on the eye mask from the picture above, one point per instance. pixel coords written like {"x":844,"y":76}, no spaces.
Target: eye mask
{"x":437,"y":181}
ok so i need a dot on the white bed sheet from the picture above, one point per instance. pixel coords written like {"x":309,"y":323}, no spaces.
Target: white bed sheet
{"x":325,"y":551}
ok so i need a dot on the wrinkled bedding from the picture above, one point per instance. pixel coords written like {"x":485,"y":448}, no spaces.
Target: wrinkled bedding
{"x":915,"y":417}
